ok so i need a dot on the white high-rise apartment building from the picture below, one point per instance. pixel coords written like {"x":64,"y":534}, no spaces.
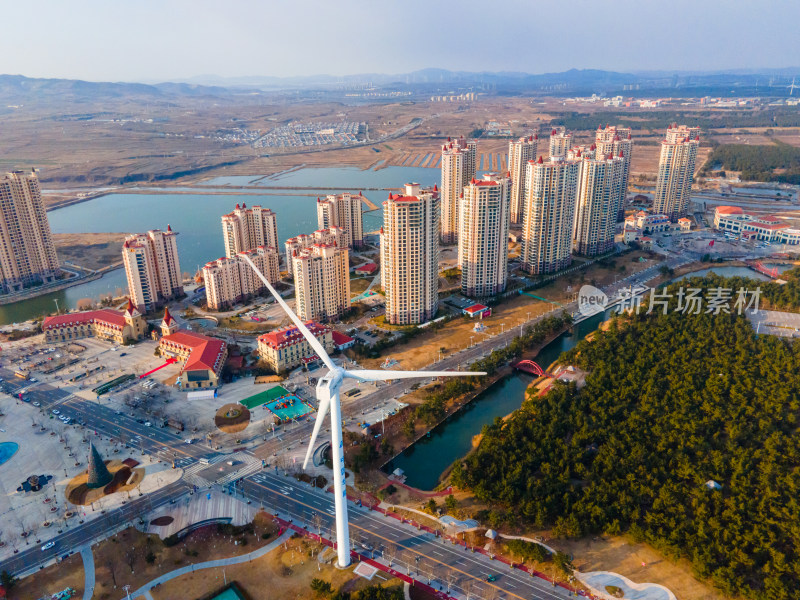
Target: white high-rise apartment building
{"x":520,"y":152}
{"x":410,"y":256}
{"x":459,"y":164}
{"x":599,"y":182}
{"x":152,"y":268}
{"x":676,"y":171}
{"x":330,"y":236}
{"x":617,"y":141}
{"x":483,"y":236}
{"x":560,"y":142}
{"x":321,"y":282}
{"x":248,"y":228}
{"x":229,"y":281}
{"x":549,"y":215}
{"x":27,"y":251}
{"x":342,"y":211}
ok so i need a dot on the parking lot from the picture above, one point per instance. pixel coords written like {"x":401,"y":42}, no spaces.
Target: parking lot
{"x":772,"y":322}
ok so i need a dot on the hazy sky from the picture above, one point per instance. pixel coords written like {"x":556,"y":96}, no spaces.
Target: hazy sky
{"x":147,"y":40}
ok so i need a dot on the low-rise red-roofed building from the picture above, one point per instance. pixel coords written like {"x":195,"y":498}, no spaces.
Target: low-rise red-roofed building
{"x":109,"y":324}
{"x":286,"y":348}
{"x":342,"y":341}
{"x":203,"y":357}
{"x":366,"y":269}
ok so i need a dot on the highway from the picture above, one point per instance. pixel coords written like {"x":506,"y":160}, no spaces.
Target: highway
{"x":94,"y":529}
{"x":421,"y":553}
{"x":425,"y":556}
{"x":97,"y":419}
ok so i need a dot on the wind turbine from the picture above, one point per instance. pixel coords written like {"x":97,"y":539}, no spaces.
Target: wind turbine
{"x":791,"y":87}
{"x":328,"y":398}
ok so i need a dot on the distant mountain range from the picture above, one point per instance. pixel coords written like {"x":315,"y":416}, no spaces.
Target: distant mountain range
{"x":17,"y":89}
{"x":21,"y":89}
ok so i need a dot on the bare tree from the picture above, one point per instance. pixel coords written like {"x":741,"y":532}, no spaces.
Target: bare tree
{"x":468,"y":587}
{"x":389,"y":552}
{"x":450,"y":578}
{"x":112,"y":569}
{"x":130,"y":557}
{"x":316,"y":520}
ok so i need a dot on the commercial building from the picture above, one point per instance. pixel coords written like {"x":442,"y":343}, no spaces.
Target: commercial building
{"x":410,"y":255}
{"x":321,"y":282}
{"x":549,"y":215}
{"x":203,"y":356}
{"x":248,"y":228}
{"x":229,"y":281}
{"x":676,"y":171}
{"x":343,"y":210}
{"x":483,"y":236}
{"x":647,"y":222}
{"x":520,"y":152}
{"x":331,"y":235}
{"x":284,"y":349}
{"x":560,"y":142}
{"x":115,"y":326}
{"x":598,"y":191}
{"x":27,"y":253}
{"x":617,"y":141}
{"x":765,"y":228}
{"x":152,"y":268}
{"x":459,"y":165}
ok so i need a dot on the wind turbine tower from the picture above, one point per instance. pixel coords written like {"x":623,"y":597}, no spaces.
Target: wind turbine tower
{"x":328,"y":398}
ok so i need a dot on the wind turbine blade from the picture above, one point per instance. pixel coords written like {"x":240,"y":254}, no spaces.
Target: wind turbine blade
{"x":324,"y":403}
{"x":313,"y":342}
{"x":375,"y":375}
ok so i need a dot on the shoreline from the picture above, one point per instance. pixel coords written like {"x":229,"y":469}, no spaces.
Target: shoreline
{"x":466,"y":400}
{"x":43,"y":291}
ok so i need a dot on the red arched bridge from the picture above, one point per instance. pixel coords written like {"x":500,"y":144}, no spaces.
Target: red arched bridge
{"x":528,"y":366}
{"x":761,"y":268}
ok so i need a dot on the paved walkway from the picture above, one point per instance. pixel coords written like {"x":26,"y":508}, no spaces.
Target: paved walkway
{"x":88,"y":570}
{"x":597,"y":581}
{"x":144,"y":591}
{"x":199,"y":508}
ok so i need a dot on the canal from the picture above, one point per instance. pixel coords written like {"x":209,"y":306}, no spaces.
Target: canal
{"x":424,"y":462}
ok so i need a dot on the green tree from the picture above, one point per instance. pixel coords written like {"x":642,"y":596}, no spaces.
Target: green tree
{"x":321,"y":587}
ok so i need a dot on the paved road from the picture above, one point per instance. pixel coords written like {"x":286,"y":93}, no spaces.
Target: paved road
{"x":166,"y":444}
{"x":102,"y":420}
{"x":422,"y":553}
{"x":96,"y":528}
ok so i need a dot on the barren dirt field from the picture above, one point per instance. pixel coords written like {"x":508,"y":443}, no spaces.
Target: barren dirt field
{"x":90,"y":250}
{"x":424,"y":349}
{"x":283,"y":573}
{"x":123,"y":142}
{"x":626,"y":557}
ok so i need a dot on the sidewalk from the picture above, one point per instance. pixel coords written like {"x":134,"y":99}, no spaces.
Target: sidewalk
{"x":144,"y":591}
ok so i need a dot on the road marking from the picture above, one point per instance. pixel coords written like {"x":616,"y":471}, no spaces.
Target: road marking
{"x":369,"y":532}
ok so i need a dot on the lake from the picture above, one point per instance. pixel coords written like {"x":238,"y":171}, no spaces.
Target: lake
{"x":196,"y":217}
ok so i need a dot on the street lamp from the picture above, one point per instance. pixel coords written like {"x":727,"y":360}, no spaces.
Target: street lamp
{"x":56,"y":301}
